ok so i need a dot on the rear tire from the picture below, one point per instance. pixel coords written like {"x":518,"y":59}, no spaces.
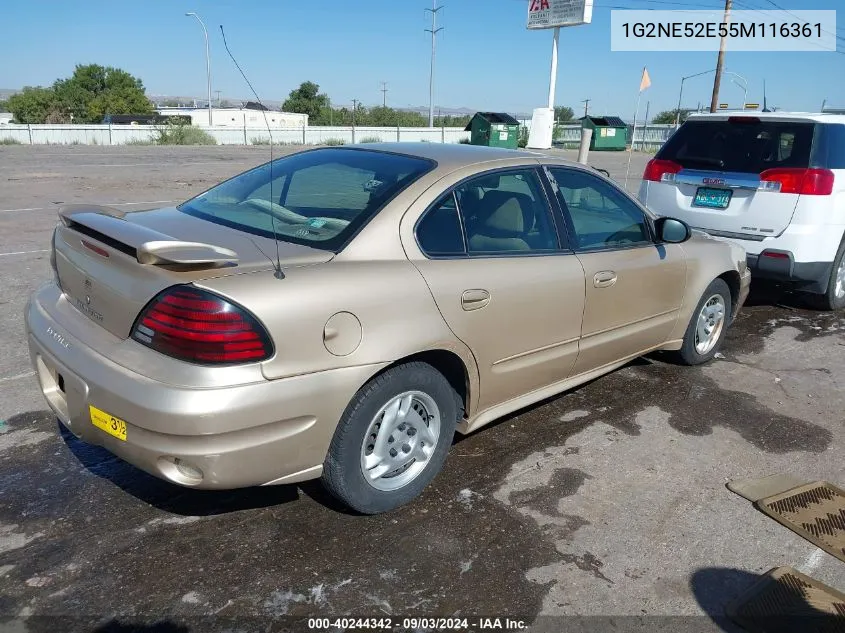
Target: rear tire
{"x":708,"y":326}
{"x":392,"y":439}
{"x":834,"y":298}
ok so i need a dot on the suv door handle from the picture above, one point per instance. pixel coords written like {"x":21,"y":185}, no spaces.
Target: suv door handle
{"x":604,"y":279}
{"x":474,"y":299}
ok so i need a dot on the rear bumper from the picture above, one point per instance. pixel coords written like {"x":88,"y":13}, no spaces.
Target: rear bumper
{"x":260,"y":433}
{"x":808,"y":276}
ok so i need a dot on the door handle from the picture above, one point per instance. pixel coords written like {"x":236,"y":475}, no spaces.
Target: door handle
{"x":474,"y":299}
{"x":604,"y":279}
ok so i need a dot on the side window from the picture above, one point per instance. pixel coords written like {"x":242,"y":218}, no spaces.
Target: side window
{"x":601,"y":216}
{"x":506,"y":212}
{"x":439,"y":233}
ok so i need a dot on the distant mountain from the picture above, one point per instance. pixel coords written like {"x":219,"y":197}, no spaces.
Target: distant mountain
{"x":275,"y":105}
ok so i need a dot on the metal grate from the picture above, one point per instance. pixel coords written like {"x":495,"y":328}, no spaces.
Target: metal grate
{"x":815,"y":511}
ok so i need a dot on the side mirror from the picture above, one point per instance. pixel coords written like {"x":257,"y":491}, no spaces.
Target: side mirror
{"x":672,"y":231}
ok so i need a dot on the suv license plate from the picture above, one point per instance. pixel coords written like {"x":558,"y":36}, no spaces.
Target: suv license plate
{"x":712,"y":198}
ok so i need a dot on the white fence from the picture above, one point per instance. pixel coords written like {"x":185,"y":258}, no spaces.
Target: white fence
{"x":105,"y":134}
{"x":646,"y":138}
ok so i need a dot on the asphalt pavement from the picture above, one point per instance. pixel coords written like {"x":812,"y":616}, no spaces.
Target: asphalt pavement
{"x":609,"y":500}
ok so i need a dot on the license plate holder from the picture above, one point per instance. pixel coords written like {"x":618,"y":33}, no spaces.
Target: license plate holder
{"x":712,"y":198}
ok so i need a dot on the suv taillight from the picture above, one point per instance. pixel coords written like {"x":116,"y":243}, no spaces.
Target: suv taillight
{"x":806,"y":182}
{"x":659,"y":170}
{"x":199,"y":327}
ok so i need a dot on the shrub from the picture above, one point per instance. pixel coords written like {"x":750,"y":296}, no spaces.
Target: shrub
{"x":140,"y":141}
{"x":464,"y":141}
{"x":371,"y":139}
{"x":8,"y":140}
{"x":523,"y":137}
{"x":334,"y":141}
{"x":172,"y":133}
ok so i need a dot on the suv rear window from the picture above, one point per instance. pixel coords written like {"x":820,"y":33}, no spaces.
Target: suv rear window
{"x":319,"y":198}
{"x":748,"y":146}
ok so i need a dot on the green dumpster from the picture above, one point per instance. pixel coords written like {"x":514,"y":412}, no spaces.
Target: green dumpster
{"x":493,"y":129}
{"x":610,"y":133}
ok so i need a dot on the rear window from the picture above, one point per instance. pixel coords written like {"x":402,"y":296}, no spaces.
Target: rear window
{"x":751,"y":146}
{"x":318,"y":198}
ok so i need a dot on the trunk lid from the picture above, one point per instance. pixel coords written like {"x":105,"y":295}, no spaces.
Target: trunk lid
{"x":110,"y":263}
{"x":723,"y":163}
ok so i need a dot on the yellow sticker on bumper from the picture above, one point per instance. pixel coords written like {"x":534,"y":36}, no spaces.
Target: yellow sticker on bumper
{"x":108,"y":423}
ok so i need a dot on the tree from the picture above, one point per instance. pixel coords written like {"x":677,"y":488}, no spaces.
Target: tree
{"x":564,"y":113}
{"x":667,"y":117}
{"x":34,"y":104}
{"x":4,"y":105}
{"x":94,"y":91}
{"x":306,"y":99}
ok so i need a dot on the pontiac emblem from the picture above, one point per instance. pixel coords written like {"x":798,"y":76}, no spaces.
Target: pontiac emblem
{"x":714,"y":181}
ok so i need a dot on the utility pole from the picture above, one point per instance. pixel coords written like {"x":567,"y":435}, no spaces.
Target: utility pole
{"x":717,"y":81}
{"x":354,"y":107}
{"x":383,"y":94}
{"x":434,"y":30}
{"x":586,"y":103}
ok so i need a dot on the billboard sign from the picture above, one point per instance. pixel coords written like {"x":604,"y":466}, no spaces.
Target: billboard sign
{"x":547,"y":14}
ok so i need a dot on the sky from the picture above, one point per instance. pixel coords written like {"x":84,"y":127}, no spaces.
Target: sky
{"x":486,"y":58}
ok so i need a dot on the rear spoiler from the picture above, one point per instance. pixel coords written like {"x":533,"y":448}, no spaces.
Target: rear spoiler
{"x":147,"y":245}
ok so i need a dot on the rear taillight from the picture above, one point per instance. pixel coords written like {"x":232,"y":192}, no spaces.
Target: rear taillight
{"x":659,"y":170}
{"x":200,"y":327}
{"x":806,"y":182}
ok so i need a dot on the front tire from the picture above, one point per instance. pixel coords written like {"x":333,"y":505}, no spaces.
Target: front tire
{"x":708,"y":326}
{"x":392,"y":439}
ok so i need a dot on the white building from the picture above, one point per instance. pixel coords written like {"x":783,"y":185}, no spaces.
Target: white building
{"x":239,"y":117}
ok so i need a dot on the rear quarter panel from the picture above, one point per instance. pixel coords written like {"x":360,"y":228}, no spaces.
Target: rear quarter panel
{"x":393,"y":307}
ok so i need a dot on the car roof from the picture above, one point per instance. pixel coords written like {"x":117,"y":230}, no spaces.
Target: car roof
{"x":451,"y":155}
{"x":817,"y":117}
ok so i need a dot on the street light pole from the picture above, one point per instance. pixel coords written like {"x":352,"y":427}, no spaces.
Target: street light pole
{"x":681,"y":95}
{"x":744,"y":86}
{"x":207,"y":62}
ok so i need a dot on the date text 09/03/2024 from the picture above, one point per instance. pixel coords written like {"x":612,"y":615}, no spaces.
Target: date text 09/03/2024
{"x":415,"y":624}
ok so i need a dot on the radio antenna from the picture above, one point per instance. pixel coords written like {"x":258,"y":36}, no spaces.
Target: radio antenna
{"x":278,"y":263}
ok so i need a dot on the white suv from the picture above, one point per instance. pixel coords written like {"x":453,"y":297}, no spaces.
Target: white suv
{"x":771,"y":182}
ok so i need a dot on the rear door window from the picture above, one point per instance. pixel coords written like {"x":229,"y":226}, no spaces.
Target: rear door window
{"x":744,"y":145}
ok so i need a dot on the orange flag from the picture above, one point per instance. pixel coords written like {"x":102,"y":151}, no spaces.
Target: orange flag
{"x":646,"y":81}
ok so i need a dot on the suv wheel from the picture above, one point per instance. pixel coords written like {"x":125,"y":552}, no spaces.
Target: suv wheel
{"x":834,"y":298}
{"x":708,"y":326}
{"x":392,"y":439}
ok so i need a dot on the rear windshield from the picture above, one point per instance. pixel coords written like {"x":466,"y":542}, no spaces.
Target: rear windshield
{"x":750,"y":146}
{"x":318,"y":198}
